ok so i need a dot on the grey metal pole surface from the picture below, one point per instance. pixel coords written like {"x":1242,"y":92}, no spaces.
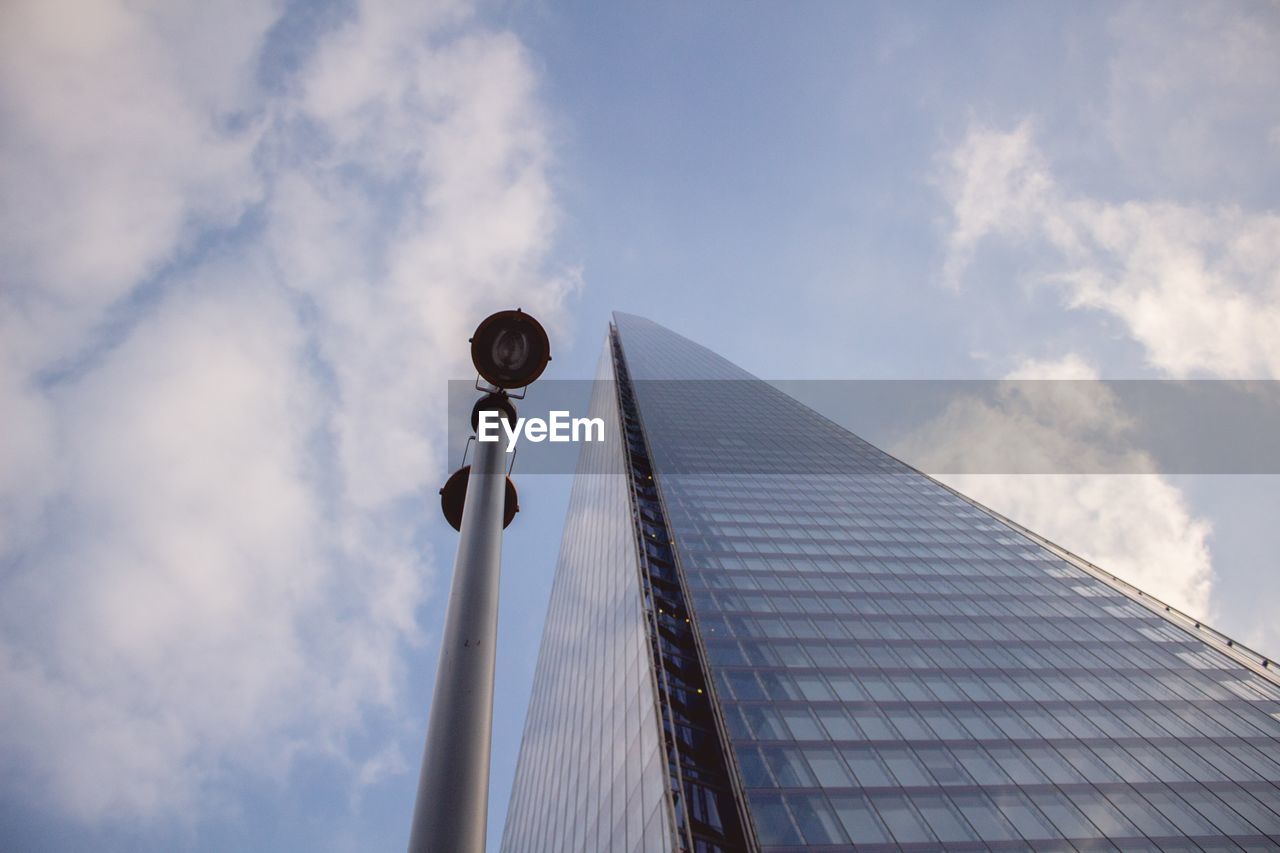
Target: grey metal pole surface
{"x":453,"y":790}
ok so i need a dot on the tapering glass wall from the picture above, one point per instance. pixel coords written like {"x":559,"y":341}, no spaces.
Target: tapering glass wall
{"x":897,"y":668}
{"x":591,"y":774}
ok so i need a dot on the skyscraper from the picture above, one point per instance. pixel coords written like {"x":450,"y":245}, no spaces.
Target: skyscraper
{"x":766,"y":634}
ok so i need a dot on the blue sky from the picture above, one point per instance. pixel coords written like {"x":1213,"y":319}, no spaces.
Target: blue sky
{"x":244,"y":245}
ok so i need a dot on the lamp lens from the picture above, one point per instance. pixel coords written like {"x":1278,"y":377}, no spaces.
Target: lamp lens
{"x":510,"y":349}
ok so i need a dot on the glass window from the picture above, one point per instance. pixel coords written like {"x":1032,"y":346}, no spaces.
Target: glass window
{"x":754,"y":772}
{"x":788,"y":767}
{"x":973,"y":687}
{"x":873,"y":723}
{"x":736,"y":722}
{"x":943,"y":818}
{"x":744,"y":685}
{"x":1266,"y":820}
{"x":828,"y":768}
{"x":846,"y":688}
{"x":817,"y":821}
{"x":1159,"y":762}
{"x":944,"y":726}
{"x":854,"y":656}
{"x":984,"y":817}
{"x":904,"y":823}
{"x":1069,"y":820}
{"x":1142,"y":813}
{"x":766,"y":723}
{"x":1255,"y":760}
{"x":1178,"y":812}
{"x":981,"y":766}
{"x":942,"y":688}
{"x":943,"y":766}
{"x":1093,"y":768}
{"x":792,"y":655}
{"x":1053,"y":765}
{"x":1045,"y":724}
{"x":1224,"y":761}
{"x":978,"y":725}
{"x":1011,"y":723}
{"x":880,"y":688}
{"x":1025,"y":817}
{"x":859,"y":820}
{"x":905,"y":767}
{"x":1217,"y":812}
{"x":773,"y":821}
{"x":801,"y":724}
{"x":779,"y":686}
{"x":908,"y":724}
{"x":1193,"y":762}
{"x":867,"y":767}
{"x":1012,"y":760}
{"x":837,"y":724}
{"x":1123,"y":763}
{"x":1103,"y":814}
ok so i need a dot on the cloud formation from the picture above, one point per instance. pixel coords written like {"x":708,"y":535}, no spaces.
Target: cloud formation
{"x":1197,"y":286}
{"x":1165,"y":252}
{"x":240,"y":253}
{"x":1137,"y":526}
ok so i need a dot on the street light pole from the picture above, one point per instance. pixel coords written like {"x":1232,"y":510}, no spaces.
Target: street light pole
{"x":453,"y":789}
{"x":510,"y":350}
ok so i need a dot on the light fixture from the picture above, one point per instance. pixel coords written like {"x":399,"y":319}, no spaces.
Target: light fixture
{"x":453,"y":496}
{"x":510,"y":349}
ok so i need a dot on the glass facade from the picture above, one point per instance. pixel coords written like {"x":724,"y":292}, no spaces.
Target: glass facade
{"x":892,"y":667}
{"x":592,"y":774}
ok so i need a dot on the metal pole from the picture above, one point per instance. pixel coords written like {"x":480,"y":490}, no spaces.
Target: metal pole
{"x":453,"y":790}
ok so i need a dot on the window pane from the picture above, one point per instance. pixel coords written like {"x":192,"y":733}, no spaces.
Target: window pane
{"x":905,"y":767}
{"x":1188,"y":820}
{"x":1019,"y":768}
{"x":909,"y":725}
{"x":902,"y":820}
{"x":1053,"y":765}
{"x":1103,"y":815}
{"x":1025,"y":817}
{"x":801,"y":724}
{"x":754,"y":772}
{"x":984,"y":817}
{"x":788,"y":767}
{"x":765,"y":723}
{"x":817,"y":821}
{"x":943,"y":724}
{"x":868,"y":769}
{"x":981,"y":766}
{"x":1142,"y":813}
{"x":943,"y":766}
{"x":1218,"y":812}
{"x":837,"y":724}
{"x":1090,"y":765}
{"x":873,"y":724}
{"x":859,"y":820}
{"x":943,"y":818}
{"x":773,"y":823}
{"x":1064,"y":815}
{"x":828,"y":768}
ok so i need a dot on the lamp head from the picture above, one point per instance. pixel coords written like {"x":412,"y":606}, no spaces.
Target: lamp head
{"x":510,"y":349}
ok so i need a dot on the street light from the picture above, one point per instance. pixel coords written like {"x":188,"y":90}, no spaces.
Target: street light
{"x":510,"y":350}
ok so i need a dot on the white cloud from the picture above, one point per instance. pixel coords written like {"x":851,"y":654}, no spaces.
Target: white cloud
{"x":1197,"y":286}
{"x":1134,"y":525}
{"x":227,"y":317}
